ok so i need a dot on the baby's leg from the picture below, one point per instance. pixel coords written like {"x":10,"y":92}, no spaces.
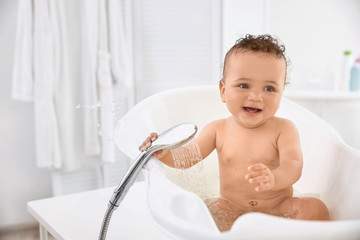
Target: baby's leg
{"x":223,"y":213}
{"x":306,"y":208}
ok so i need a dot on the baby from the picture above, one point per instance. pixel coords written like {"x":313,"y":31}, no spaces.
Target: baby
{"x":259,"y":154}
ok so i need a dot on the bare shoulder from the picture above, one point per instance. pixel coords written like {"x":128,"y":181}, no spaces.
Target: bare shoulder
{"x":284,"y":124}
{"x":287,"y":131}
{"x":214,"y":126}
{"x":207,"y":137}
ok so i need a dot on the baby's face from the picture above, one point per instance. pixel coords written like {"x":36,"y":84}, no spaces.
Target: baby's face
{"x":252,"y":87}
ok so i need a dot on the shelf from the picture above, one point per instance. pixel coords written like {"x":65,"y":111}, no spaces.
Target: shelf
{"x":328,"y":95}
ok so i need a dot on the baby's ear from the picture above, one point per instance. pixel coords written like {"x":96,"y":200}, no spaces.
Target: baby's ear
{"x":222,"y":90}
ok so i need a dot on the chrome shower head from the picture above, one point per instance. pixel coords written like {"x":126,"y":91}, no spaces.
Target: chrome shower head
{"x":170,"y":139}
{"x":174,"y":137}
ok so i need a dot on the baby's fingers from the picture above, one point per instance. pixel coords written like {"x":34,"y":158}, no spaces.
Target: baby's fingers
{"x":147,"y":143}
{"x":263,"y":187}
{"x":259,"y":180}
{"x":256,"y":174}
{"x":257,"y":167}
{"x":153,"y":136}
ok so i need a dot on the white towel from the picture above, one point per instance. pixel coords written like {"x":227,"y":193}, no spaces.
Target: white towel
{"x":118,"y":45}
{"x":22,"y":82}
{"x":46,"y":124}
{"x":105,"y":88}
{"x":41,"y":75}
{"x":46,"y":70}
{"x":89,"y":46}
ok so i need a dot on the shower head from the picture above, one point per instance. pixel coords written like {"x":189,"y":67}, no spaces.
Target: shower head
{"x":170,"y":139}
{"x":174,"y":137}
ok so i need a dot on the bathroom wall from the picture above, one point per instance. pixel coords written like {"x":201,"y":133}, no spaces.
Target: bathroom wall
{"x":316,"y":33}
{"x":20,"y":180}
{"x":176,"y":44}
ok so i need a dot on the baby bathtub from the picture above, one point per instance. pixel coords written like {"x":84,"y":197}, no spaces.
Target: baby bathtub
{"x":331,"y":172}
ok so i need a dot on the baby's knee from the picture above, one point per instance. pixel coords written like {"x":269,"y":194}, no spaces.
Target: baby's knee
{"x":314,"y":209}
{"x":322,"y":210}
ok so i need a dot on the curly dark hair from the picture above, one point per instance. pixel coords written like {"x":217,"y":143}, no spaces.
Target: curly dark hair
{"x":266,"y":44}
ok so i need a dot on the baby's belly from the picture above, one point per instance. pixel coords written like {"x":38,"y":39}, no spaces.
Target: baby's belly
{"x":246,"y":199}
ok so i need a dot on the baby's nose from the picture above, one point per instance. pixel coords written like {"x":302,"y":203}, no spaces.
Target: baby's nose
{"x":255,"y":96}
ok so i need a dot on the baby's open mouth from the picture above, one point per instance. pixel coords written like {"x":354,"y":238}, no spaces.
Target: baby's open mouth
{"x":252,"y":110}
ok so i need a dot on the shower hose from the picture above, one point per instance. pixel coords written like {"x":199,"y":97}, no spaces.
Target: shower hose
{"x":105,"y":224}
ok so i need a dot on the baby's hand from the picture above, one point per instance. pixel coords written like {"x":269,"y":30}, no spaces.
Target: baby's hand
{"x":260,"y":176}
{"x":147,"y":143}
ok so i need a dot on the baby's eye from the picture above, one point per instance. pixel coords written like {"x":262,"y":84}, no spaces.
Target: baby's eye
{"x":243,"y":85}
{"x":269,"y":89}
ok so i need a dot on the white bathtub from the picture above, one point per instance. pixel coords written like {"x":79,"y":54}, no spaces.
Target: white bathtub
{"x":331,"y":172}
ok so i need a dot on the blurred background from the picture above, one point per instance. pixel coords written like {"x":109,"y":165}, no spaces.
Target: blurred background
{"x":70,"y":69}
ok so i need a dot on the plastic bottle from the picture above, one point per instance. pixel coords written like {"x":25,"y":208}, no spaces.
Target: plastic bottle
{"x":355,"y":76}
{"x":344,"y":79}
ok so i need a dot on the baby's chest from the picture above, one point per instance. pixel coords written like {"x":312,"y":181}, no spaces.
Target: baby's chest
{"x":249,"y":150}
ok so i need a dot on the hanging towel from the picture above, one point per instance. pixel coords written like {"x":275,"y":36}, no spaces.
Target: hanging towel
{"x":105,"y":88}
{"x":46,"y":124}
{"x":22,"y":83}
{"x":89,"y":46}
{"x":63,"y":59}
{"x":118,"y":45}
{"x":41,"y":74}
{"x":105,"y":72}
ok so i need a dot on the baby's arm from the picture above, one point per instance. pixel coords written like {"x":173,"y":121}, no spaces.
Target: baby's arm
{"x":290,"y":156}
{"x":290,"y":167}
{"x":189,"y":154}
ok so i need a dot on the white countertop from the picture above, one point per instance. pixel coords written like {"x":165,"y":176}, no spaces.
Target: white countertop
{"x":79,"y":216}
